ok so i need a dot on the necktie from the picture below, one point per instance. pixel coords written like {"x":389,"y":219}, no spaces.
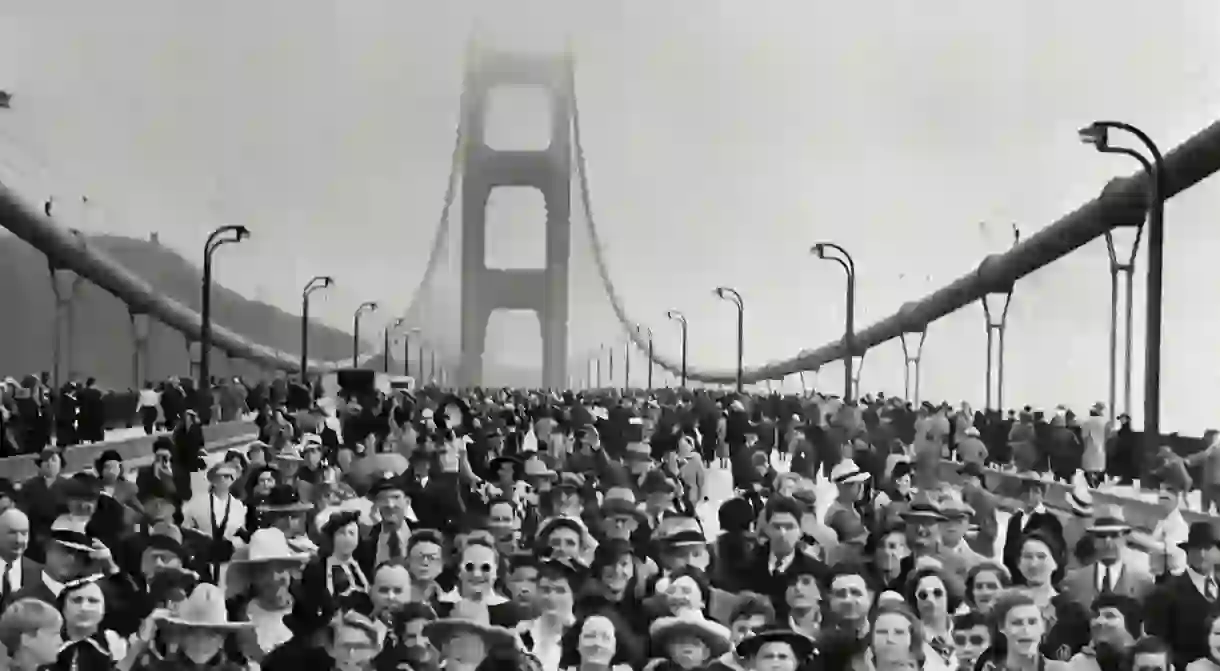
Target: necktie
{"x":775,"y":566}
{"x":1210,"y":589}
{"x":7,"y":589}
{"x":340,"y":581}
{"x":1107,"y":580}
{"x":394,"y":545}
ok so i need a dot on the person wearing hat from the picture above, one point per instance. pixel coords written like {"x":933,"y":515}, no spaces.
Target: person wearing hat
{"x":70,"y":553}
{"x":984,"y":503}
{"x":261,"y":576}
{"x":1035,"y":516}
{"x":953,"y":531}
{"x":844,"y":514}
{"x":775,"y":650}
{"x":196,"y":634}
{"x":217,"y":513}
{"x":1109,"y":573}
{"x":389,"y":539}
{"x":505,"y":471}
{"x":542,"y":636}
{"x":687,"y":642}
{"x":1174,"y":612}
{"x":283,"y":509}
{"x":464,"y":644}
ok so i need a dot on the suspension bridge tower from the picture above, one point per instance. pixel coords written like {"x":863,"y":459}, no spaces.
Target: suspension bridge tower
{"x":543,"y":291}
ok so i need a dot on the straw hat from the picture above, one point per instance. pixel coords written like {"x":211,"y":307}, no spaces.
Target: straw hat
{"x":268,"y":546}
{"x":1080,"y":501}
{"x":620,"y":502}
{"x":536,"y":468}
{"x":715,"y":636}
{"x":846,"y":472}
{"x":1109,"y":520}
{"x":442,"y":630}
{"x":70,"y":533}
{"x":204,"y":609}
{"x":284,"y":499}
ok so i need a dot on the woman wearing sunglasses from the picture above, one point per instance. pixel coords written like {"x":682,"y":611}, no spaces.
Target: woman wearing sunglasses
{"x":935,"y":596}
{"x":477,"y":596}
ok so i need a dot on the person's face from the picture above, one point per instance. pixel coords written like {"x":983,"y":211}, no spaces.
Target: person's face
{"x":477,"y":570}
{"x":555,"y":595}
{"x":347,"y":537}
{"x":84,"y":607}
{"x":683,"y":595}
{"x":987,"y":586}
{"x":200,"y":646}
{"x":952,"y":531}
{"x":426,"y":561}
{"x":620,"y":526}
{"x":775,"y":656}
{"x":276,"y":578}
{"x":155,"y":560}
{"x":51,"y":466}
{"x":892,"y":637}
{"x":352,"y":647}
{"x":506,"y":472}
{"x":931,"y":597}
{"x":1033,"y":497}
{"x":392,"y":504}
{"x":803,"y":593}
{"x":688,"y":652}
{"x":970,"y":643}
{"x":111,"y":471}
{"x":745,"y":626}
{"x":466,"y":649}
{"x":313,"y":457}
{"x":14,"y":533}
{"x":1036,"y":562}
{"x":891,"y":551}
{"x":1150,"y":661}
{"x":522,"y":585}
{"x":616,"y":576}
{"x":597,"y":642}
{"x":1023,"y":627}
{"x":924,"y":533}
{"x":417,"y":646}
{"x":501,"y":519}
{"x":1107,"y":625}
{"x":1109,"y":545}
{"x":265,"y":483}
{"x":694,"y":554}
{"x":850,"y":597}
{"x":564,"y":543}
{"x":391,"y":588}
{"x":784,"y":531}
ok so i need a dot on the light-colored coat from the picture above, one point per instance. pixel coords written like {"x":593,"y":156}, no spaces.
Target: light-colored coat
{"x":197,"y":514}
{"x":1081,"y":584}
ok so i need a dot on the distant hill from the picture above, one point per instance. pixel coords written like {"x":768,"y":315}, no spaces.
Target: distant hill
{"x":103,"y":346}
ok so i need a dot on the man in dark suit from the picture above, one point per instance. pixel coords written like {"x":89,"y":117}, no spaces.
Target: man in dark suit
{"x":1035,"y":516}
{"x":16,"y":570}
{"x":389,"y":539}
{"x":780,"y":559}
{"x":1176,"y":610}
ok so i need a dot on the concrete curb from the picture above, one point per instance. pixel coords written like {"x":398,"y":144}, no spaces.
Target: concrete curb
{"x":81,"y":457}
{"x":1141,"y":515}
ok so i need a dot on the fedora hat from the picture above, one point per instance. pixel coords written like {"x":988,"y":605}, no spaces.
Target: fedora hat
{"x":923,"y":507}
{"x":268,"y":546}
{"x":655,"y":482}
{"x":387,"y":482}
{"x":846,"y":472}
{"x":954,"y":508}
{"x":1201,"y":535}
{"x":536,"y":469}
{"x":620,"y":502}
{"x":204,"y":609}
{"x":802,"y":645}
{"x":70,"y":533}
{"x":638,"y":451}
{"x":1109,"y":520}
{"x":440,"y":631}
{"x":1080,"y":501}
{"x":715,"y":636}
{"x":494,"y":466}
{"x":290,"y":453}
{"x":284,"y":499}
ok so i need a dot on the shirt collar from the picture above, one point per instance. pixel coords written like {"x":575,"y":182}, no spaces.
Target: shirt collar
{"x":52,"y":584}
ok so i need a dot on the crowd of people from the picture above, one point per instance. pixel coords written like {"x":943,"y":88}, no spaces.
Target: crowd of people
{"x":594,"y":531}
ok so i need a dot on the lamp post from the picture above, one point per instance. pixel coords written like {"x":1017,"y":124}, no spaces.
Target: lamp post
{"x":833,"y":252}
{"x":367,"y":306}
{"x":420,"y":358}
{"x":729,"y":294}
{"x":610,"y":352}
{"x":1098,"y":135}
{"x":319,"y":282}
{"x":627,"y":364}
{"x":406,"y":353}
{"x":594,"y":370}
{"x":217,"y":239}
{"x":641,"y":330}
{"x":681,"y":319}
{"x":385,"y":347}
{"x":432,"y":365}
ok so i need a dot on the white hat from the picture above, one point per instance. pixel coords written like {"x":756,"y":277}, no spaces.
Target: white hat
{"x":204,"y":609}
{"x":268,"y":546}
{"x":847,"y":472}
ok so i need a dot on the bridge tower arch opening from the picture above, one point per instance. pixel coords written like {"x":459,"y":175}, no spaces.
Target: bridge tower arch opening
{"x":544,"y":290}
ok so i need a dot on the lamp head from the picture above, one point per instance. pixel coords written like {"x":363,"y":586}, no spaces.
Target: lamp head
{"x":242,"y":232}
{"x":720,"y":292}
{"x":327,"y":280}
{"x":1096,"y":134}
{"x":819,"y":250}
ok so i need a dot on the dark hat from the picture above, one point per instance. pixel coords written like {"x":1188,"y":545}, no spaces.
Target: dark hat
{"x":572,"y":482}
{"x":496,"y":464}
{"x":923,"y":507}
{"x":1201,"y":535}
{"x":683,"y":538}
{"x":655,"y":482}
{"x":802,"y":645}
{"x":82,"y":486}
{"x":971,"y":469}
{"x":284,"y":499}
{"x":386,"y":482}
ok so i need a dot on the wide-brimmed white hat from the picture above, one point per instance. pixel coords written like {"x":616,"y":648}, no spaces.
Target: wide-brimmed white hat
{"x":1109,"y":520}
{"x":1080,"y":501}
{"x":846,"y":472}
{"x":268,"y":546}
{"x":715,"y":636}
{"x":204,"y":609}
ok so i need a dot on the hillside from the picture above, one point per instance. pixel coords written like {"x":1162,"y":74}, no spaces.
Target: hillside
{"x":103,"y":346}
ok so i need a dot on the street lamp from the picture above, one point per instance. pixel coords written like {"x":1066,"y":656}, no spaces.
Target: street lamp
{"x":1098,"y":135}
{"x":319,"y":282}
{"x":217,"y":239}
{"x":641,"y":330}
{"x":728,"y":294}
{"x":832,"y":252}
{"x":367,"y":306}
{"x":681,"y":319}
{"x":385,"y":348}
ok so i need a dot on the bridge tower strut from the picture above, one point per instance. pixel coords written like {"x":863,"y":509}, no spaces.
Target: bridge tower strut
{"x":544,"y":290}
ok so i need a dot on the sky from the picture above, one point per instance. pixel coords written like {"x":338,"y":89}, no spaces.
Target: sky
{"x":723,"y":137}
